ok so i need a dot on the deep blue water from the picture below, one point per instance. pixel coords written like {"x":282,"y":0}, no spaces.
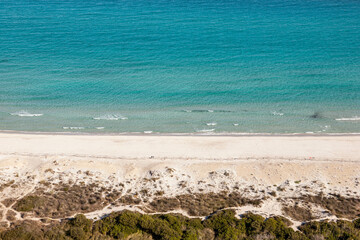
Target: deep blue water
{"x":180,"y":66}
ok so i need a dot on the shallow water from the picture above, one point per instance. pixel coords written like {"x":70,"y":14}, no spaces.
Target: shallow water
{"x":180,"y":66}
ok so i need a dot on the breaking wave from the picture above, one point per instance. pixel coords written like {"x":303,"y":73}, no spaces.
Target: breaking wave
{"x":205,"y":110}
{"x":205,"y":130}
{"x":26,"y":114}
{"x":349,"y":119}
{"x":111,"y":117}
{"x":73,"y":128}
{"x":275,"y":113}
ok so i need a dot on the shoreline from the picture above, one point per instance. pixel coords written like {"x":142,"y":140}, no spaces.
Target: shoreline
{"x":194,"y":134}
{"x":325,"y":147}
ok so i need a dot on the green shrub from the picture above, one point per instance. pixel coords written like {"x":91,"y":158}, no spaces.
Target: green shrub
{"x":253,"y":223}
{"x":357,"y":223}
{"x":22,"y":233}
{"x":146,"y":222}
{"x":225,"y":225}
{"x":222,"y":225}
{"x":190,"y":234}
{"x":278,"y":229}
{"x":77,"y":233}
{"x":162,"y":230}
{"x":120,"y":225}
{"x":331,"y":230}
{"x":194,"y":223}
{"x":174,"y":222}
{"x":81,"y":221}
{"x":28,"y":203}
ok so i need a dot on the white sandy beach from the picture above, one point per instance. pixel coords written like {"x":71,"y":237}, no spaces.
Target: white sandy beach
{"x":299,"y":164}
{"x":346,"y":148}
{"x":268,"y":159}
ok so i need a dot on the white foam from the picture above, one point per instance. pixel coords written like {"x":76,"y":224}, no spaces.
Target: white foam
{"x":235,"y":124}
{"x":205,"y":130}
{"x":73,"y":128}
{"x":99,"y":128}
{"x":26,"y":114}
{"x":111,"y":117}
{"x":275,"y":113}
{"x":203,"y":110}
{"x":147,"y":132}
{"x":211,"y":124}
{"x":356,"y":118}
{"x":324,"y":128}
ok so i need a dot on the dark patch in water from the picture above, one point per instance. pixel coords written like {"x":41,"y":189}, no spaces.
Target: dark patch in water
{"x":4,"y":60}
{"x":199,"y":110}
{"x":223,"y":111}
{"x":316,"y":115}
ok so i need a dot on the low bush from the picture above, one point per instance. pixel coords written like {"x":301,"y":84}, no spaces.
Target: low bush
{"x":28,"y":203}
{"x":221,"y":225}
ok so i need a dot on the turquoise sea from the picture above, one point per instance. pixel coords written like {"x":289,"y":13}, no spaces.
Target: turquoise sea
{"x":180,"y":66}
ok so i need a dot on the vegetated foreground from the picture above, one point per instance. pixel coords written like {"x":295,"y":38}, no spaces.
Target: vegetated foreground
{"x":172,"y":199}
{"x":220,"y":225}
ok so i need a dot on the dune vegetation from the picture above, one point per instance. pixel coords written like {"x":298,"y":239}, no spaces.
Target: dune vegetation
{"x":221,"y":225}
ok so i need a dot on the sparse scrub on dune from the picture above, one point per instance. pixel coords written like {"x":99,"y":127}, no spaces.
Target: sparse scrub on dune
{"x":28,"y":203}
{"x":65,"y":200}
{"x":342,"y":207}
{"x":201,"y":204}
{"x":298,"y":213}
{"x":5,"y":185}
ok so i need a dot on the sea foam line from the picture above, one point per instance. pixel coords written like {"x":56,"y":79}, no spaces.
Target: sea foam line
{"x":275,"y":113}
{"x":26,"y":114}
{"x":205,"y":111}
{"x":356,"y":118}
{"x":73,"y":128}
{"x":111,"y":117}
{"x":205,"y":130}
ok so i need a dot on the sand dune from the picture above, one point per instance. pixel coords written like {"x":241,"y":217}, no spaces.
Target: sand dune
{"x":275,"y":170}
